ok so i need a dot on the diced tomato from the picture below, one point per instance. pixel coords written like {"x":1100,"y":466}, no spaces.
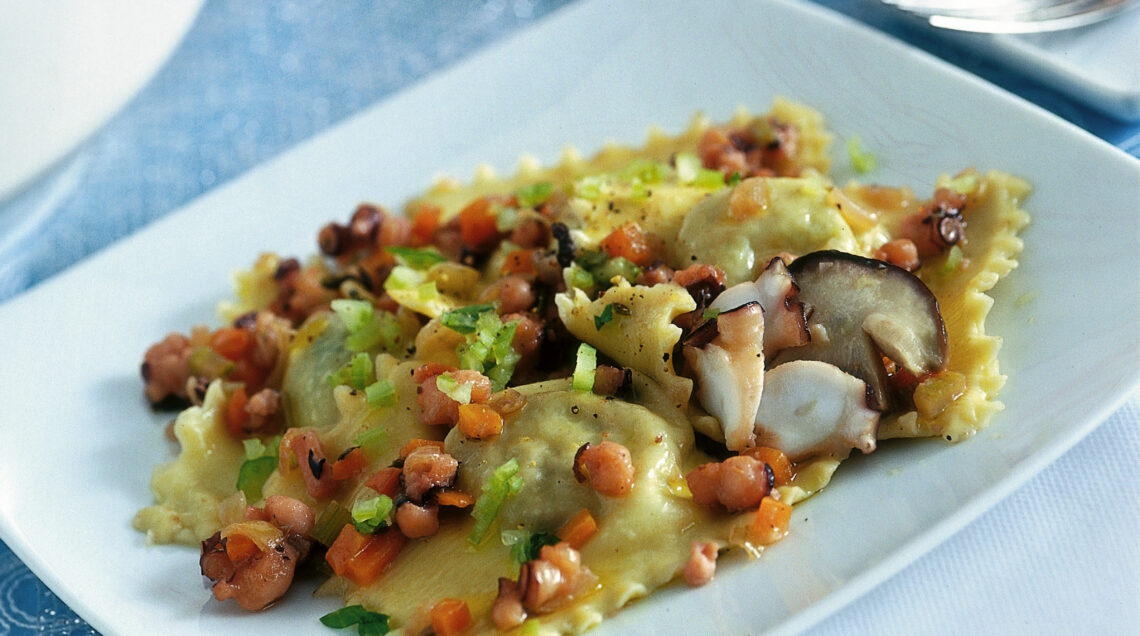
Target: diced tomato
{"x":236,"y":416}
{"x":425,"y":221}
{"x":519,"y":262}
{"x":477,"y":223}
{"x":386,"y":481}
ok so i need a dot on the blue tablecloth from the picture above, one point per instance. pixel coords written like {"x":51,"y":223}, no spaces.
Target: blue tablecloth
{"x":251,"y":80}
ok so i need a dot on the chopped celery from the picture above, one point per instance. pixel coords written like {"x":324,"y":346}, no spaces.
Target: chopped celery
{"x":589,"y":187}
{"x":688,"y":167}
{"x":204,"y":362}
{"x":369,"y":515}
{"x":506,"y":218}
{"x":360,"y":371}
{"x":534,"y":194}
{"x":645,"y":171}
{"x":355,"y":314}
{"x":463,"y":320}
{"x":454,"y":389}
{"x":330,"y":522}
{"x":402,"y":277}
{"x":861,"y":160}
{"x":499,"y":485}
{"x":619,"y":266}
{"x":709,"y":314}
{"x":585,"y":366}
{"x":713,"y":179}
{"x":381,"y":393}
{"x":416,"y":257}
{"x":253,"y":474}
{"x":427,"y":291}
{"x":370,"y":439}
{"x":953,"y":261}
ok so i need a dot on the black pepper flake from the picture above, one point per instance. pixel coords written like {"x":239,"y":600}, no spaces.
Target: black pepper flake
{"x":665,"y":358}
{"x":565,"y":244}
{"x":317,"y":466}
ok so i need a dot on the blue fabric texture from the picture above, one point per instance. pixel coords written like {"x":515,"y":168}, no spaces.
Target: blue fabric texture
{"x":252,"y":80}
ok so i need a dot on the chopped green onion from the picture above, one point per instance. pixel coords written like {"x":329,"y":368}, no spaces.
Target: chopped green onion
{"x":953,"y":261}
{"x":330,"y":522}
{"x":861,"y":160}
{"x":534,"y":194}
{"x":370,"y":439}
{"x":367,"y":623}
{"x":356,"y":314}
{"x":463,"y":320}
{"x":369,"y":515}
{"x":499,"y":485}
{"x":380,"y":393}
{"x":360,"y":371}
{"x":710,"y":313}
{"x":585,"y":366}
{"x":454,"y":389}
{"x":254,"y":448}
{"x":253,"y":474}
{"x":416,"y":257}
{"x":734,"y":179}
{"x":606,"y":316}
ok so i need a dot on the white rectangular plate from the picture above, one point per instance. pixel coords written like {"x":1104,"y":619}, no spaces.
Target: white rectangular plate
{"x":80,"y":442}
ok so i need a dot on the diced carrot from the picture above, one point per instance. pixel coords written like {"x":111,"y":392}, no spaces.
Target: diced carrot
{"x":425,"y":221}
{"x":386,"y":481}
{"x":477,"y":223}
{"x":349,"y":465}
{"x":416,"y":442}
{"x":781,"y":466}
{"x":478,"y":421}
{"x":450,"y":616}
{"x":236,"y":416}
{"x":239,"y":546}
{"x":520,"y":262}
{"x":628,"y":241}
{"x":454,"y":498}
{"x":232,"y":342}
{"x":771,"y":522}
{"x":363,"y":558}
{"x":578,"y":529}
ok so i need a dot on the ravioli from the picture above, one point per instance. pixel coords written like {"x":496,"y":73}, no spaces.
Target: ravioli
{"x":422,"y":401}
